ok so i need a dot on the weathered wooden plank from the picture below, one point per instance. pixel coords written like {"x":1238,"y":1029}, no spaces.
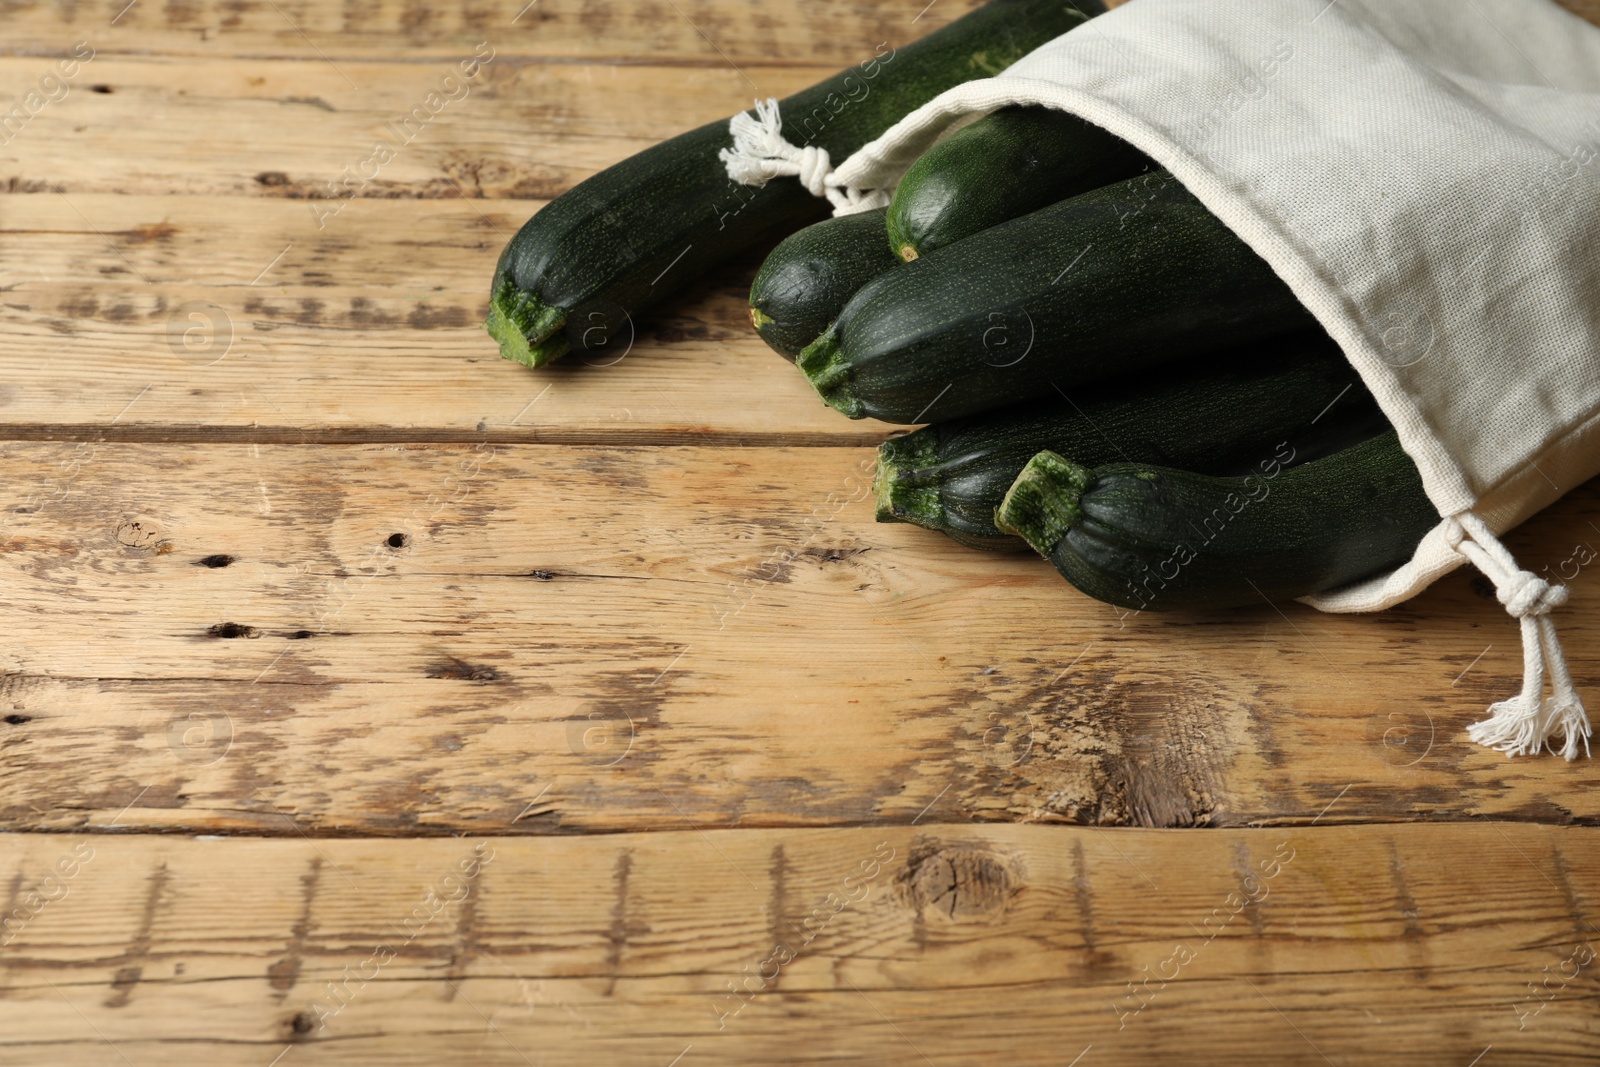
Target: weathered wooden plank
{"x":222,"y":321}
{"x":696,"y":32}
{"x":274,"y":279}
{"x":281,"y":128}
{"x":704,"y":33}
{"x":421,"y":639}
{"x":944,"y":944}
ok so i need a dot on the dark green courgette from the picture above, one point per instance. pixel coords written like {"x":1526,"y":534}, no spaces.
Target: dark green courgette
{"x":1148,"y":537}
{"x":812,"y":274}
{"x":1117,"y":280}
{"x":1222,"y":419}
{"x":620,"y":241}
{"x":1002,"y":167}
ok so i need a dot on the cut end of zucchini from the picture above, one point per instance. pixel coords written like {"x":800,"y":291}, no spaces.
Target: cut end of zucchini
{"x":525,"y":328}
{"x":905,"y":487}
{"x":826,"y":368}
{"x":907,"y":253}
{"x":1043,"y":503}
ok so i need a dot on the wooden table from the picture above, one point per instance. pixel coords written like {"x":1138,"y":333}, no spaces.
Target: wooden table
{"x":368,"y":699}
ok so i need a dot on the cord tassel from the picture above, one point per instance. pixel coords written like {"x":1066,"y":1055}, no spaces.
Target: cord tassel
{"x":760,"y":153}
{"x":1529,"y":721}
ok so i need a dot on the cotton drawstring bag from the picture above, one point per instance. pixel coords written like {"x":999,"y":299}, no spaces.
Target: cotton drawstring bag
{"x":1425,"y":176}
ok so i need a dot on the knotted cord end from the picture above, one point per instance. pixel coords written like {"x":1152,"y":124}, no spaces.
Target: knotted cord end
{"x":1529,"y":722}
{"x":760,"y":153}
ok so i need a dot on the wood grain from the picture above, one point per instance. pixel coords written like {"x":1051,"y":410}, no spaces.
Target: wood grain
{"x":128,"y":242}
{"x":938,"y":944}
{"x":691,"y":33}
{"x":229,"y":274}
{"x":289,"y":129}
{"x":255,"y":324}
{"x":417,"y":639}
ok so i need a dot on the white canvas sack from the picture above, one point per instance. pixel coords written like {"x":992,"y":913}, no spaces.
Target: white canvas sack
{"x":1425,"y":176}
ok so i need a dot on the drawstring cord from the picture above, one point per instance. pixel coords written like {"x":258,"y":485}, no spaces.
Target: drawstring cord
{"x":760,"y":153}
{"x":1529,"y":721}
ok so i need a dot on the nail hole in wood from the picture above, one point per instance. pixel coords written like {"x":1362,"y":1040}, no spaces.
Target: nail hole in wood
{"x":398,"y":540}
{"x":218,"y":560}
{"x":232,"y":629}
{"x":451,"y":667}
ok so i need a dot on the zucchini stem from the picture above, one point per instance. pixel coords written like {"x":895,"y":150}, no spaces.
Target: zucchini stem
{"x":1045,"y":501}
{"x":526,"y":328}
{"x":828,"y":371}
{"x":905,"y":487}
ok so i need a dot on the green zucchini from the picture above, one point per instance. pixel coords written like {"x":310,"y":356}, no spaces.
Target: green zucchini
{"x":1001,"y":167}
{"x":1148,"y":537}
{"x":807,"y":280}
{"x":620,"y":241}
{"x":1124,"y":278}
{"x":1217,"y":420}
